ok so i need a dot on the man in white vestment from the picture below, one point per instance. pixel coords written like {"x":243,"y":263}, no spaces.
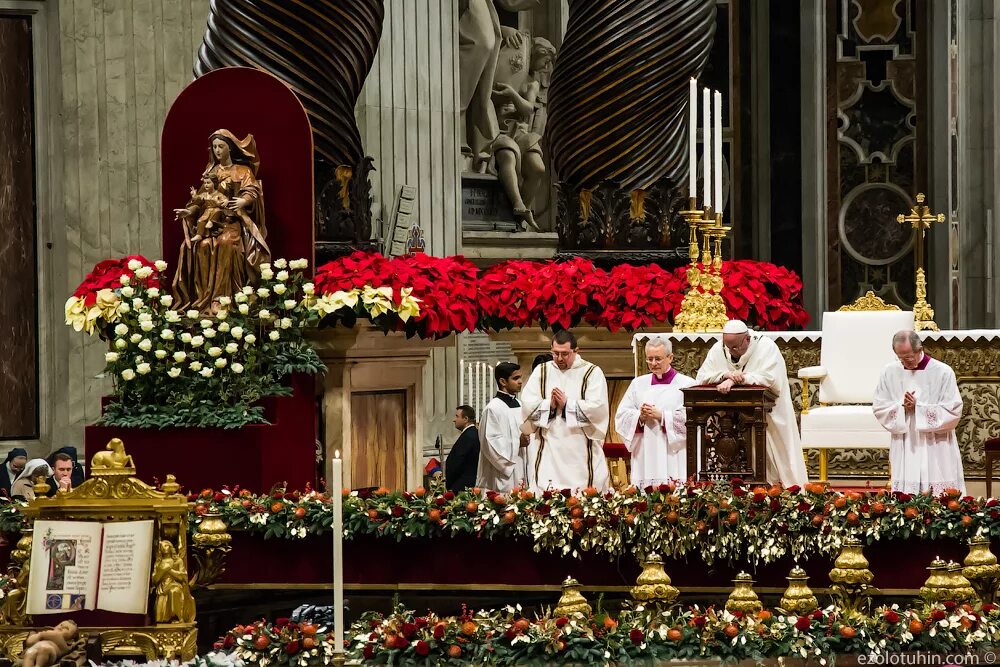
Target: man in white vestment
{"x":651,"y":420}
{"x":918,"y":402}
{"x":503,"y":453}
{"x":565,"y":403}
{"x":741,"y":358}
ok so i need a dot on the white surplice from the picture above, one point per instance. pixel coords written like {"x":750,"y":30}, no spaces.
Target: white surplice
{"x":503,"y":462}
{"x":659,"y":447}
{"x":763,"y":365}
{"x":570,"y":449}
{"x":923,"y":453}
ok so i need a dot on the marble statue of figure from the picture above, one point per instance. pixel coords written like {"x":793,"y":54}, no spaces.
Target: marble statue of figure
{"x":49,"y":647}
{"x":520,"y":164}
{"x":224,"y":231}
{"x":174,"y":602}
{"x":480,"y":36}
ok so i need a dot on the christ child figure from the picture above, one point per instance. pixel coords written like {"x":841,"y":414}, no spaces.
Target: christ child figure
{"x":212,"y":203}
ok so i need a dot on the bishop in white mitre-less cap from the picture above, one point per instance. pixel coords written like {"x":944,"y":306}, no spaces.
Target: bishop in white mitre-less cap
{"x":741,"y":358}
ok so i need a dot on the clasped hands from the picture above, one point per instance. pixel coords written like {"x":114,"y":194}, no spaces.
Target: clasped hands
{"x":731,"y":378}
{"x":557,"y":399}
{"x":649,"y":412}
{"x":909,"y":401}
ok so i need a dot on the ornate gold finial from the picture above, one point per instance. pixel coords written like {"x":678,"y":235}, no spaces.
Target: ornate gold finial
{"x":653,"y":584}
{"x":869,"y":302}
{"x":798,"y":598}
{"x":982,"y":570}
{"x":113,"y":461}
{"x":743,"y":598}
{"x":170,"y":487}
{"x":851,"y":579}
{"x":572,"y":600}
{"x":960,"y":589}
{"x":921,"y":218}
{"x":41,"y":487}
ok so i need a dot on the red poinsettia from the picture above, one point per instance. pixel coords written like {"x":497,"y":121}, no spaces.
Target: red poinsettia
{"x":637,"y":296}
{"x":107,"y":275}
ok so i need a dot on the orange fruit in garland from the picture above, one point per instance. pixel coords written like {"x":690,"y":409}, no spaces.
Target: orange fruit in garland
{"x":261,"y":642}
{"x":731,"y":630}
{"x":308,"y":643}
{"x":674,"y":635}
{"x":847,"y":632}
{"x":916,"y":627}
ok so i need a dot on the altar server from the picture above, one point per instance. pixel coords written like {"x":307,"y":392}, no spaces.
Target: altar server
{"x":651,"y":420}
{"x":503,"y":454}
{"x":918,"y":402}
{"x":741,"y":358}
{"x":566,"y":403}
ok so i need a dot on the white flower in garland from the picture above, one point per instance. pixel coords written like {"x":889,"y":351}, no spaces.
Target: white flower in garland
{"x":205,"y":324}
{"x":145,"y":345}
{"x":249,"y":340}
{"x":264,"y":314}
{"x":220,"y":363}
{"x":206,"y":372}
{"x":167,"y":334}
{"x":286,"y":322}
{"x":160,"y":354}
{"x":208,"y":333}
{"x":197,"y":341}
{"x":248,"y":290}
{"x":222,"y":315}
{"x":121,"y":329}
{"x":128,"y":374}
{"x":223,"y":327}
{"x":146,"y":326}
{"x":111,"y":357}
{"x":195,"y":366}
{"x":120,"y":344}
{"x":135,"y":338}
{"x":214,"y":352}
{"x":280,"y":289}
{"x":237,"y":367}
{"x":174,"y":372}
{"x":263,"y":292}
{"x":232,"y":348}
{"x":185,"y":337}
{"x":244,"y":309}
{"x":180,"y":356}
{"x":240,"y":297}
{"x":143,"y":368}
{"x":237,"y":332}
{"x":128,"y":292}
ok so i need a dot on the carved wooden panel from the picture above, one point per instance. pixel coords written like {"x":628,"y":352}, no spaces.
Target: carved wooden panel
{"x":378,"y":439}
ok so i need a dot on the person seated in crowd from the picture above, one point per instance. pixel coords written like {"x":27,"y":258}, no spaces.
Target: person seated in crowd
{"x":78,"y":476}
{"x":62,"y":473}
{"x":35,"y":470}
{"x":11,"y":468}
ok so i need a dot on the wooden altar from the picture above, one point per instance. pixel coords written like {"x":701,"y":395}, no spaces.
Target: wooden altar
{"x":727,"y":433}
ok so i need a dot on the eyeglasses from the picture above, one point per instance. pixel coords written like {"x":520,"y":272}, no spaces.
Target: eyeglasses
{"x":562,"y":355}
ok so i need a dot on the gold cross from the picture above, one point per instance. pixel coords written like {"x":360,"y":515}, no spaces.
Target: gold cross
{"x":921,"y":218}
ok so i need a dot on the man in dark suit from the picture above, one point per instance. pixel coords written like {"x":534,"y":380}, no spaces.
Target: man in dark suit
{"x":463,"y":459}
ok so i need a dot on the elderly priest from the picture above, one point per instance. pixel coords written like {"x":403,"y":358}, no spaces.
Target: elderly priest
{"x":918,"y":402}
{"x":741,"y":358}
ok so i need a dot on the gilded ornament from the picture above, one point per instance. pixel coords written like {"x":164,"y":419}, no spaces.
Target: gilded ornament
{"x":210,"y":547}
{"x":851,"y":578}
{"x":174,"y":602}
{"x":743,"y":598}
{"x":572,"y":600}
{"x":959,"y":587}
{"x":114,"y":460}
{"x":981,"y":569}
{"x":869,"y":302}
{"x":921,"y":218}
{"x":936,"y":588}
{"x":653,"y":584}
{"x":798,"y":598}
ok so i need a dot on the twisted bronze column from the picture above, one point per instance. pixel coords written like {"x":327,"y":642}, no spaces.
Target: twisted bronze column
{"x":617,"y":120}
{"x":323,"y":49}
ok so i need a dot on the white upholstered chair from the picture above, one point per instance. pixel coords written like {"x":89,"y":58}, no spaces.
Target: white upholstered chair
{"x":856,"y":346}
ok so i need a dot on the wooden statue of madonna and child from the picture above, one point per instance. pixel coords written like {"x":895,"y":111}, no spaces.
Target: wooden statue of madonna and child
{"x":224,"y":231}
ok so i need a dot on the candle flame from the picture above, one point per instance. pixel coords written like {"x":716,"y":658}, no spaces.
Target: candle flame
{"x":336,"y":454}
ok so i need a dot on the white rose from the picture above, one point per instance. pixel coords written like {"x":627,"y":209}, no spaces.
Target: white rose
{"x":185,"y":337}
{"x":143,"y":272}
{"x":286,"y":322}
{"x":244,"y":309}
{"x":124,"y":280}
{"x":128,"y":374}
{"x":138,"y":359}
{"x":124,"y":308}
{"x":142,"y":368}
{"x":223,"y":327}
{"x":146,"y":326}
{"x":205,"y":324}
{"x":197,"y":341}
{"x":111,"y":357}
{"x":180,"y":356}
{"x":247,"y":291}
{"x":145,"y":345}
{"x":282,"y":276}
{"x":208,"y":333}
{"x":266,"y":274}
{"x":167,"y":334}
{"x":121,"y":329}
{"x":274,"y":335}
{"x":153,"y":292}
{"x":237,"y":368}
{"x":232,"y":348}
{"x":308,"y":289}
{"x":265,"y":314}
{"x":264,"y":266}
{"x":160,"y":354}
{"x":220,"y":363}
{"x":214,"y":351}
{"x":135,"y":338}
{"x":172,"y":316}
{"x":237,"y":332}
{"x":280,"y":263}
{"x":145,"y":317}
{"x":195,"y":366}
{"x":138,"y":303}
{"x":249,"y":340}
{"x":174,"y":372}
{"x":263,"y":292}
{"x":120,"y":344}
{"x":224,"y":300}
{"x":289,"y":304}
{"x":296,"y":264}
{"x":240,"y":297}
{"x":280,"y":289}
{"x":160,"y":265}
{"x":133,"y":264}
{"x":166,"y":300}
{"x":192,"y":314}
{"x":207,"y":372}
{"x":222,"y":315}
{"x":128,"y":292}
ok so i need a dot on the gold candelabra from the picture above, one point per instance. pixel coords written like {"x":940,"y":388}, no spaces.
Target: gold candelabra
{"x":921,"y":218}
{"x":703,"y":308}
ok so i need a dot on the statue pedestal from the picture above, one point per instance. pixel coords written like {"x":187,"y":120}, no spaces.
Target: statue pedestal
{"x":726,"y":433}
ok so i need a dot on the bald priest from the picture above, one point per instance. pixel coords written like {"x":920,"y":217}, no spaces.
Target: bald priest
{"x":741,"y":358}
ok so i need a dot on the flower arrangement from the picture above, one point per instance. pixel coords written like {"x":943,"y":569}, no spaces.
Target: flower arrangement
{"x":713,"y":522}
{"x":170,"y":368}
{"x":763,"y":293}
{"x":510,"y":636}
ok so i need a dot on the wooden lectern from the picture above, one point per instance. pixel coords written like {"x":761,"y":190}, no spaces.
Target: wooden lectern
{"x":727,"y":433}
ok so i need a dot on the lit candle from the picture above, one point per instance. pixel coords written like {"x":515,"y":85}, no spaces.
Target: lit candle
{"x":717,"y":135}
{"x":336,"y":490}
{"x":693,"y":138}
{"x":706,"y":142}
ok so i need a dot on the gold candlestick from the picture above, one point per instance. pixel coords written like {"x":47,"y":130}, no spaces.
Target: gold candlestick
{"x":691,"y":316}
{"x":921,"y":218}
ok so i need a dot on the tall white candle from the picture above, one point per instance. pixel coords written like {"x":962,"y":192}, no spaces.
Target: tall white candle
{"x":706,"y":142}
{"x":461,"y":382}
{"x":336,"y":490}
{"x":693,"y":138}
{"x":717,"y":135}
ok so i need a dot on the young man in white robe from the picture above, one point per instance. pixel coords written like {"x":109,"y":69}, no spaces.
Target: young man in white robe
{"x":503,"y":453}
{"x":651,"y":420}
{"x":741,"y":358}
{"x":565,"y":403}
{"x":918,"y":402}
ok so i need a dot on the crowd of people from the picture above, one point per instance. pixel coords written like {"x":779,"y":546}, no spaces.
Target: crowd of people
{"x":19,"y":475}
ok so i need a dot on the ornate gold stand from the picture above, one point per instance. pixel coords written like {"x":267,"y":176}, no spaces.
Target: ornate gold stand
{"x":851,"y":589}
{"x":982,"y":570}
{"x":921,"y":218}
{"x":703,"y":308}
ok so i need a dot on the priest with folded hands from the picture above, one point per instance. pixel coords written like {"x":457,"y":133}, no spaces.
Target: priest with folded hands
{"x":742,"y":358}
